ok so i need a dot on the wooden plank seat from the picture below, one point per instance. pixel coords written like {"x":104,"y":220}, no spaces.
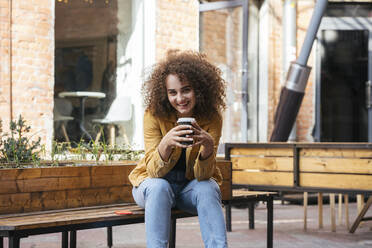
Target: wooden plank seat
{"x":243,"y":196}
{"x":17,"y":226}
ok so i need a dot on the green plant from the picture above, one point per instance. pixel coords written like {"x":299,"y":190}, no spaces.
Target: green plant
{"x":17,"y":147}
{"x":60,"y":151}
{"x":96,"y":151}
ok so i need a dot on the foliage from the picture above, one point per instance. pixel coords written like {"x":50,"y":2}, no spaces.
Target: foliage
{"x":93,"y":151}
{"x":17,"y":150}
{"x":17,"y":147}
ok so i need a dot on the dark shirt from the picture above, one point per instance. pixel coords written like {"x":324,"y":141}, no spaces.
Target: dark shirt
{"x":177,"y":173}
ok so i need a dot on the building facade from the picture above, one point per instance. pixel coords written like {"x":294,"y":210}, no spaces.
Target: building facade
{"x":109,"y":46}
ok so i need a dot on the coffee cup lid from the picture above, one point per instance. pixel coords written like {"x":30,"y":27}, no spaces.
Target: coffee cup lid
{"x":186,"y":119}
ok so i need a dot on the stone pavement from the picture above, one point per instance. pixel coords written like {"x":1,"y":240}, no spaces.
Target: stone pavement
{"x":288,"y":232}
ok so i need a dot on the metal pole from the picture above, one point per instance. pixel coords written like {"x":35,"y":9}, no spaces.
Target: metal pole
{"x":292,"y":94}
{"x":289,"y":45}
{"x":245,"y":98}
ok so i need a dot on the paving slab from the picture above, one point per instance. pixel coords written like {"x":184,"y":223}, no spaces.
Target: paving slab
{"x":288,"y":231}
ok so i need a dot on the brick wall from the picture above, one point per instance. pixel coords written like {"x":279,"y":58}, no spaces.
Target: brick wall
{"x":305,"y":119}
{"x":82,"y":20}
{"x":306,"y":115}
{"x":30,"y":75}
{"x":275,"y":59}
{"x":221,"y":38}
{"x":177,"y":26}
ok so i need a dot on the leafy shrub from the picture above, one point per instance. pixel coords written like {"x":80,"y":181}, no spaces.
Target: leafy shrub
{"x":16,"y":147}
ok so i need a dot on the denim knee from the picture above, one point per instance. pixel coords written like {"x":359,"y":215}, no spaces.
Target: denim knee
{"x":159,"y":189}
{"x":207,"y":189}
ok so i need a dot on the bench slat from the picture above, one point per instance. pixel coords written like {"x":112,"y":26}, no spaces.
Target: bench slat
{"x":60,"y":218}
{"x":247,"y":193}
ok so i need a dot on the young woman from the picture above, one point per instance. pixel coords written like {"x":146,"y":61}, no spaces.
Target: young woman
{"x":173,"y":174}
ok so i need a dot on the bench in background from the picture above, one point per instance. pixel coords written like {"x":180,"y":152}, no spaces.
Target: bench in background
{"x":344,"y":168}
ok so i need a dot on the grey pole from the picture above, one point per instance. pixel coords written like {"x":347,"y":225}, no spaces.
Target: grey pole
{"x":289,"y":45}
{"x":292,"y":94}
{"x":245,"y":100}
{"x":319,"y":9}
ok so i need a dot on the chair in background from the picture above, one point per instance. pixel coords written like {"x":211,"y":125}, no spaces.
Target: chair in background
{"x":62,"y":110}
{"x":119,"y":112}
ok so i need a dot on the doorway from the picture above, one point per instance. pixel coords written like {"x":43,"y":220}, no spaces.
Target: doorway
{"x":343,"y":75}
{"x":224,"y":39}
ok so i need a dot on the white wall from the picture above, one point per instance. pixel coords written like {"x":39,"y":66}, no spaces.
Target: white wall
{"x":263,"y":72}
{"x":136,"y":51}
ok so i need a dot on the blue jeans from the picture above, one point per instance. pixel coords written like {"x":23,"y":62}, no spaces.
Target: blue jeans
{"x":157,"y":196}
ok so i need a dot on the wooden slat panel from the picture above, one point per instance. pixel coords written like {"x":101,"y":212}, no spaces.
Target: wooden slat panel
{"x":285,"y":152}
{"x":8,"y":186}
{"x":102,"y":170}
{"x":225,"y":190}
{"x":340,"y":165}
{"x":72,"y":187}
{"x":38,"y":184}
{"x":73,"y":183}
{"x":73,"y":171}
{"x":29,"y":173}
{"x":332,"y":152}
{"x":266,"y":163}
{"x":225,"y":168}
{"x":109,"y":180}
{"x":112,"y":169}
{"x":359,"y":182}
{"x":248,"y":193}
{"x":121,"y":194}
{"x":8,"y":174}
{"x":52,"y":200}
{"x":263,"y":178}
{"x":12,"y":203}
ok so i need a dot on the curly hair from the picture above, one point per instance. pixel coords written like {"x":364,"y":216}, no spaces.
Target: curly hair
{"x":192,"y":67}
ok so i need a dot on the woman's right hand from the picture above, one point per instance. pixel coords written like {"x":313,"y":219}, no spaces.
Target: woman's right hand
{"x":178,"y":134}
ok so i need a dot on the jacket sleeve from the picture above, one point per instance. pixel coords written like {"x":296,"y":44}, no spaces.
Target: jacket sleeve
{"x":155,"y":166}
{"x":204,"y":169}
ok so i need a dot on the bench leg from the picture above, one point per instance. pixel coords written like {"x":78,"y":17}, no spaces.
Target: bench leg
{"x":14,"y":241}
{"x":228,"y":217}
{"x":73,"y":239}
{"x":172,"y":238}
{"x":361,"y":215}
{"x":65,"y":239}
{"x":270,"y":218}
{"x":109,"y":236}
{"x":251,"y":214}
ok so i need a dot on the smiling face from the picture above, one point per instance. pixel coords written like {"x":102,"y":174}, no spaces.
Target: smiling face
{"x":180,"y":95}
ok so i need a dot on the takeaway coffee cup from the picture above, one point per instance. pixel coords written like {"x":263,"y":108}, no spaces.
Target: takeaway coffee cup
{"x":185,"y":121}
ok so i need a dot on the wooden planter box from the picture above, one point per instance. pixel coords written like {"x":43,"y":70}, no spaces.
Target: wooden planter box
{"x":47,"y":188}
{"x":52,"y":188}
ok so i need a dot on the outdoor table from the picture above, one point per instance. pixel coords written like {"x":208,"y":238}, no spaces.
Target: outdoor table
{"x":82,"y":95}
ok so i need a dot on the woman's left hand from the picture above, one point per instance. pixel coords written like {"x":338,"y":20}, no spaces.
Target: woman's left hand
{"x":203,"y":138}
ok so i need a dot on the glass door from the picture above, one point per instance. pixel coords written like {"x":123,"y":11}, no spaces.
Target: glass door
{"x":223,"y":38}
{"x":344,"y":72}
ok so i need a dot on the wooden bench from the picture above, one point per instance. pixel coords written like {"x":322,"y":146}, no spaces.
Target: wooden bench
{"x":50,"y":200}
{"x":240,"y":196}
{"x":344,"y":168}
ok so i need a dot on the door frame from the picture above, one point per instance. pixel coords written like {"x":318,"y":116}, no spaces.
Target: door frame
{"x":340,"y":23}
{"x":203,"y":7}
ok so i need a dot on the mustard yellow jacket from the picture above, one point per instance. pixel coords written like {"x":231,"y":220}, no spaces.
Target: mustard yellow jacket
{"x":153,"y":166}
